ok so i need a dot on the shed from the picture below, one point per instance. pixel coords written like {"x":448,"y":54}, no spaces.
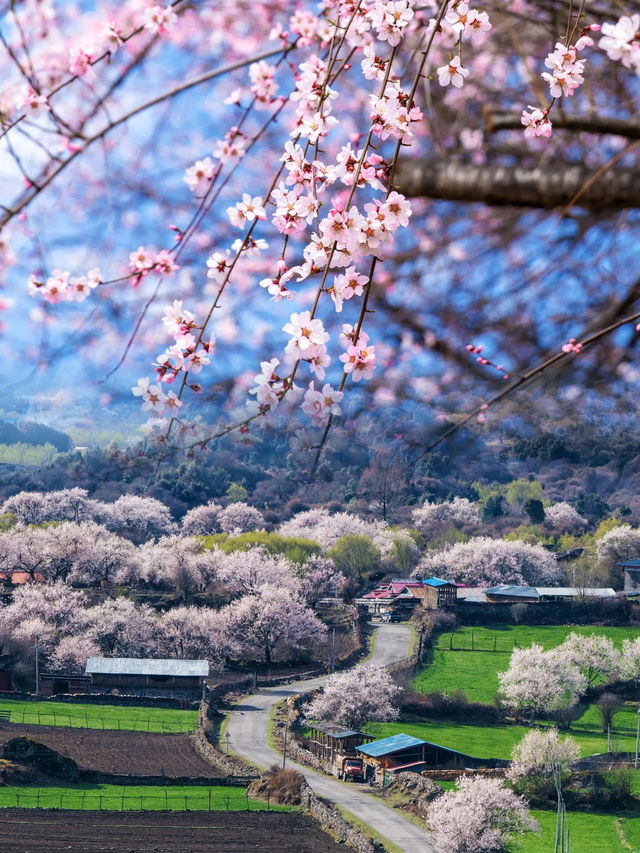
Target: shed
{"x":327,"y":741}
{"x":148,"y":674}
{"x":403,"y":752}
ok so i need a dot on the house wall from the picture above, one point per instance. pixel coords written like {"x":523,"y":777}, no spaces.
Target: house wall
{"x":632,"y":580}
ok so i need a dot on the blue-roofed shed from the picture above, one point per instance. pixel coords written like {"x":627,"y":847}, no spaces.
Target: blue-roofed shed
{"x":403,"y":752}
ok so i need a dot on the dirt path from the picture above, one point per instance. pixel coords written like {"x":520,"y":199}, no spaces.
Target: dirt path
{"x":248,"y":737}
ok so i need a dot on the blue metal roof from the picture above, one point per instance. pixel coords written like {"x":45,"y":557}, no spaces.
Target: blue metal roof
{"x":390,"y":744}
{"x":437,"y":582}
{"x":634,"y":563}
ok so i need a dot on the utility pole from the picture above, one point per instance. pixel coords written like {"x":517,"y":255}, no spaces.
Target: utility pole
{"x":37,"y":671}
{"x":333,"y":649}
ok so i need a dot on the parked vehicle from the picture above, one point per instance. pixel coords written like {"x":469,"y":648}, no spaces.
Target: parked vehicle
{"x":349,"y":768}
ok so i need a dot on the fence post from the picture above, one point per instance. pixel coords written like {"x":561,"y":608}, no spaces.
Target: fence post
{"x":100,"y":805}
{"x":246,"y":795}
{"x":38,"y":799}
{"x":185,"y":803}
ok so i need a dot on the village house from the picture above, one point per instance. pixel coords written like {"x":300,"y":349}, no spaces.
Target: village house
{"x":631,"y":569}
{"x":398,"y":599}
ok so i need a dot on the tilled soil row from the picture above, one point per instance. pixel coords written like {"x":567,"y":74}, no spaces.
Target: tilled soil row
{"x":31,"y":831}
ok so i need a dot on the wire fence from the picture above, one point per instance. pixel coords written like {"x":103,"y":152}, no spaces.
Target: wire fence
{"x":473,"y":643}
{"x":92,"y":721}
{"x":169,"y":801}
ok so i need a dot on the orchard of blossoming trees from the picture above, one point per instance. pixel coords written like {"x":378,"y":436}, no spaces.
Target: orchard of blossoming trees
{"x":204,"y":185}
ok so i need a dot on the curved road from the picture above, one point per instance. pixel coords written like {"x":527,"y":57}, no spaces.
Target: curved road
{"x":247,"y":731}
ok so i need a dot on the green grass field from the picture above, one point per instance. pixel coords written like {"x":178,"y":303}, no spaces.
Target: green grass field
{"x":490,"y":741}
{"x":133,"y":798}
{"x":476,"y":672}
{"x":590,"y":833}
{"x":168,"y":720}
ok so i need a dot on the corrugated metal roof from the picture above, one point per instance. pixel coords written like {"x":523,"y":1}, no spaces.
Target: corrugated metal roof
{"x":630,"y":564}
{"x":518,"y":591}
{"x":390,"y":744}
{"x":572,"y":591}
{"x":147,"y":666}
{"x":437,"y":582}
{"x":336,"y":731}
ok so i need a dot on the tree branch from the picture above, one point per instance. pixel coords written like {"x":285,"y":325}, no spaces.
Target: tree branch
{"x":630,"y":128}
{"x":553,"y":186}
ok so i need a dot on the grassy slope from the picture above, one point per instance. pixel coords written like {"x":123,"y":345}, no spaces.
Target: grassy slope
{"x":132,"y":798}
{"x":590,"y":833}
{"x":100,"y":716}
{"x":476,"y":672}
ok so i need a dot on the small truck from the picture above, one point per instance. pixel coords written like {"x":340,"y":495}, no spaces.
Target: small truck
{"x":349,"y":768}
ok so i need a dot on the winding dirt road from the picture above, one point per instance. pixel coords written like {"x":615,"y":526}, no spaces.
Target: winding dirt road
{"x":247,"y":732}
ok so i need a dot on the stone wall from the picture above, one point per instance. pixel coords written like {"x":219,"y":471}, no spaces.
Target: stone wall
{"x":332,"y":821}
{"x":229,"y":764}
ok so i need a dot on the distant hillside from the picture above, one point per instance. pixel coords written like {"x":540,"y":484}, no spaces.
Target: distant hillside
{"x":30,"y":432}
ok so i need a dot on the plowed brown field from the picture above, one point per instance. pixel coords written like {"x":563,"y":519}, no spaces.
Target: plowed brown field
{"x":29,"y":831}
{"x":136,"y":753}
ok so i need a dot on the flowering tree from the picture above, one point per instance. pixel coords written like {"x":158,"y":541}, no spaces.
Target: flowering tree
{"x":194,"y":633}
{"x":541,"y":681}
{"x":139,"y":518}
{"x":122,"y":628}
{"x":272,"y":622}
{"x":630,"y":660}
{"x":620,"y":543}
{"x":246,"y":572}
{"x":542,"y":752}
{"x":595,"y":656}
{"x":325,"y":528}
{"x":353,"y":698}
{"x":563,"y":518}
{"x":319,"y":578}
{"x":71,"y":653}
{"x":432,"y":518}
{"x":240,"y":518}
{"x":202,"y":520}
{"x":480,"y":816}
{"x":333,"y":118}
{"x":483,"y":560}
